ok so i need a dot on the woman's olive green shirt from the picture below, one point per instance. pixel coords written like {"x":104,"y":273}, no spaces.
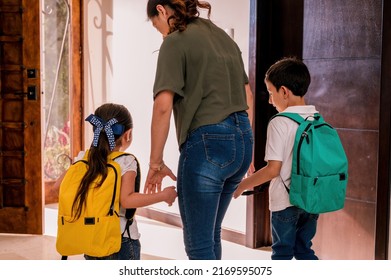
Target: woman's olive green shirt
{"x":203,"y":66}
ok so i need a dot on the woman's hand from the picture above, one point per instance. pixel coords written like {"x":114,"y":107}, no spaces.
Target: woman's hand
{"x":153,"y":183}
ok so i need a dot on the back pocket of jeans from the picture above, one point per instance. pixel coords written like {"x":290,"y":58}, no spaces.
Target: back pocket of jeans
{"x":220,"y":149}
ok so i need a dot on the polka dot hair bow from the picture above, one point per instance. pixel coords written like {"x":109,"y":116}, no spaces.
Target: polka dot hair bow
{"x":112,"y":127}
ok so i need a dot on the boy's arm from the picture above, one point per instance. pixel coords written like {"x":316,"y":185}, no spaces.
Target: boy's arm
{"x":267,"y":173}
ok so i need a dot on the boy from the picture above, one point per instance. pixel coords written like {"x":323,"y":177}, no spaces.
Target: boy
{"x":287,"y":82}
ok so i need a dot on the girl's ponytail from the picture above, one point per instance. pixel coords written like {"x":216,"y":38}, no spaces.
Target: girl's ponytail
{"x":106,"y":134}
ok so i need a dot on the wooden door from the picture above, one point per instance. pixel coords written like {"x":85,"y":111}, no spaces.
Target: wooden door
{"x":21,"y":207}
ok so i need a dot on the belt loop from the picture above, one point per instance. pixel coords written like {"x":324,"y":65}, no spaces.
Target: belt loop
{"x":236,"y":119}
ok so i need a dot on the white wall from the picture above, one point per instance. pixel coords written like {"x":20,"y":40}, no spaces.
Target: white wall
{"x":134,"y":54}
{"x":98,"y":65}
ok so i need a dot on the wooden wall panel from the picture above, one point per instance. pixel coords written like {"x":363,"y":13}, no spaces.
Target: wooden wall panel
{"x":348,"y":28}
{"x":361,"y":149}
{"x":347,"y":234}
{"x":347,"y":96}
{"x":342,"y":47}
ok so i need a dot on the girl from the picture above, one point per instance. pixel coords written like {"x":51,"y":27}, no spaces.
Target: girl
{"x":112,"y":124}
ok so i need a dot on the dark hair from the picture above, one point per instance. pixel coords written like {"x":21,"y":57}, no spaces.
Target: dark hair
{"x":290,"y":72}
{"x":185,"y":11}
{"x":97,"y":156}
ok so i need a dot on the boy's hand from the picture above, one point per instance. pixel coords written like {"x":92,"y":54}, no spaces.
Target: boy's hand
{"x":243,"y":186}
{"x":250,"y":170}
{"x":238,"y":192}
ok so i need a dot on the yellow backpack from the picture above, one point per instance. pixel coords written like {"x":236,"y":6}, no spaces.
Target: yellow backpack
{"x":97,"y":232}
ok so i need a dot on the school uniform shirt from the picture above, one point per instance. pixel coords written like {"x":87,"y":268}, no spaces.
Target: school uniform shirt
{"x":281,"y":134}
{"x":127,"y":163}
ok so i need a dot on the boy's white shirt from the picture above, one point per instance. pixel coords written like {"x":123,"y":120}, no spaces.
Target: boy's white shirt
{"x":127,"y":163}
{"x":281,"y":133}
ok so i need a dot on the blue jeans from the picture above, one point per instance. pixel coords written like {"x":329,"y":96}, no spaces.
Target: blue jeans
{"x":109,"y":257}
{"x":130,"y":249}
{"x":212,"y":162}
{"x":292,"y":232}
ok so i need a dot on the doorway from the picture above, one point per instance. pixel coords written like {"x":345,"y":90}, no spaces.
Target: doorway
{"x":61,"y":85}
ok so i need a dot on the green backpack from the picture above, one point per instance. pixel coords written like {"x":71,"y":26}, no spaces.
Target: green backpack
{"x":319,"y":166}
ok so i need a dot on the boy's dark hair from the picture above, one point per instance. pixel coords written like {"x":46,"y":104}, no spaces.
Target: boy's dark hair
{"x":290,"y":72}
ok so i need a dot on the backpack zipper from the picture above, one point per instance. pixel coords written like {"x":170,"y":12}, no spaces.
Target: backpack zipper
{"x":111,"y":209}
{"x":303,"y":136}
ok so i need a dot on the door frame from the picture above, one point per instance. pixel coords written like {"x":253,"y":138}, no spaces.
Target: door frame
{"x":382,"y":235}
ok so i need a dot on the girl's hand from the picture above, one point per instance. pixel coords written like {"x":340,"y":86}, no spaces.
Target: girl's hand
{"x":170,"y":195}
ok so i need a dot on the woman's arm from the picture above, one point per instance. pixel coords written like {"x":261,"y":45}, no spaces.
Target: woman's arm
{"x":160,"y":126}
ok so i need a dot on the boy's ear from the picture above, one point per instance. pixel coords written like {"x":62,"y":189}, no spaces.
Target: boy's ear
{"x":286,"y":91}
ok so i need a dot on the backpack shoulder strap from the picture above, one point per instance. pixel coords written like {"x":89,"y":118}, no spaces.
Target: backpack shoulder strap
{"x":130,"y":212}
{"x":299,"y":119}
{"x":115,"y":155}
{"x":293,"y":116}
{"x":138,"y":176}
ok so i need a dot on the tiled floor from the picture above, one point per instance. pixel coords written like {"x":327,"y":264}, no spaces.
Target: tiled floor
{"x":158,"y":242}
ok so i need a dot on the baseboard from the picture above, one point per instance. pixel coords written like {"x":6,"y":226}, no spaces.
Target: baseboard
{"x":175,"y":220}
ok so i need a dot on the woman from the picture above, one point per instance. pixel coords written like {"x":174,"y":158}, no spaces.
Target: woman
{"x":201,"y":78}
